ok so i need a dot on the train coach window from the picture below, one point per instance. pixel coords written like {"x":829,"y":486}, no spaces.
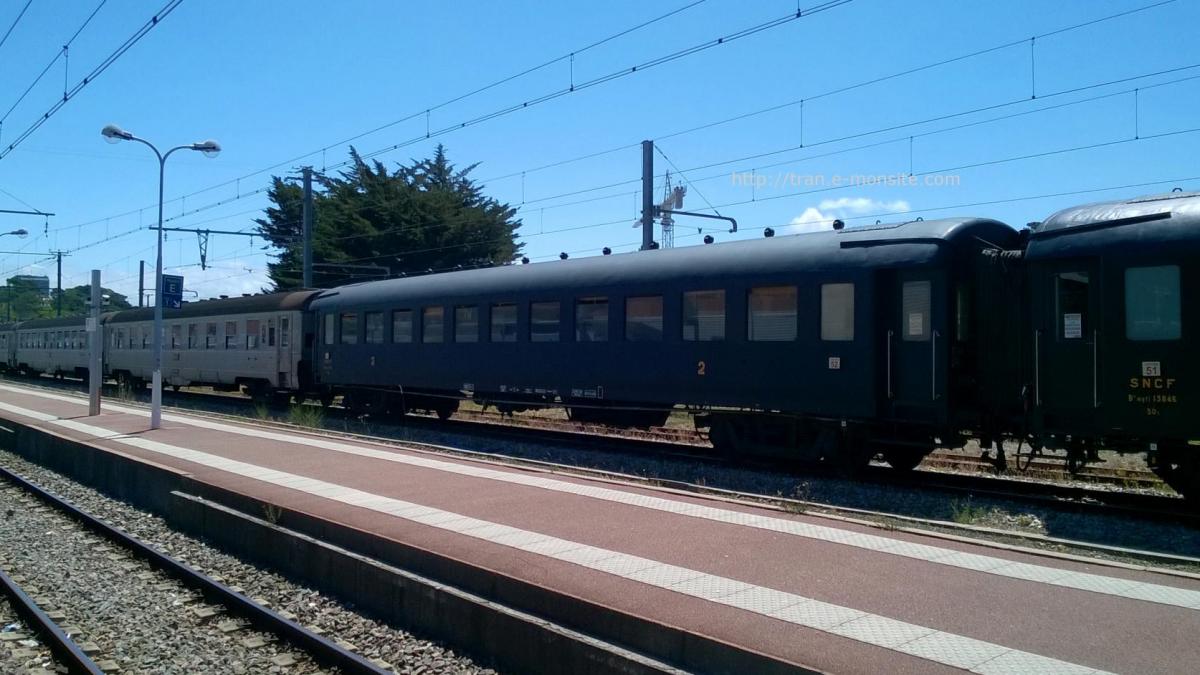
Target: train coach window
{"x":348,"y":328}
{"x":285,"y":332}
{"x":252,"y":331}
{"x":231,"y":335}
{"x":176,"y":335}
{"x":644,"y":319}
{"x":591,"y":320}
{"x":1152,"y":303}
{"x":433,"y":328}
{"x":837,"y":312}
{"x":543,"y":322}
{"x":402,"y":325}
{"x":772,"y":316}
{"x":703,"y":316}
{"x":1071,"y":293}
{"x":210,"y":336}
{"x":504,"y":322}
{"x":329,"y":319}
{"x":915,"y":298}
{"x":193,"y":336}
{"x":374,"y":328}
{"x":466,"y":324}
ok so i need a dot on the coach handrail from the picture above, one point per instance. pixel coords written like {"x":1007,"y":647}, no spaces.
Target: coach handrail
{"x":1037,"y":371}
{"x":933,"y":367}
{"x":889,"y":364}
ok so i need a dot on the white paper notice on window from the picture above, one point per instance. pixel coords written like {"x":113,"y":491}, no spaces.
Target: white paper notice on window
{"x":916,"y":323}
{"x":1072,"y":326}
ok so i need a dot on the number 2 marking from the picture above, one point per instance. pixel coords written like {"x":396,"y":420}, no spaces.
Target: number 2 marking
{"x":700,"y":367}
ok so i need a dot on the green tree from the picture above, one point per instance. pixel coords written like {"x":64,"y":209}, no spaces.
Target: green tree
{"x":75,"y":300}
{"x":370,"y":223}
{"x":21,"y":300}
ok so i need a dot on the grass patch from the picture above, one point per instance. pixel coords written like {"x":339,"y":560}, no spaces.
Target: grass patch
{"x":306,"y":416}
{"x":261,"y":412}
{"x":963,"y":512}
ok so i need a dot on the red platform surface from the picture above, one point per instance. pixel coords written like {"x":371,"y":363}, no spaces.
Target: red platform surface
{"x":808,"y":590}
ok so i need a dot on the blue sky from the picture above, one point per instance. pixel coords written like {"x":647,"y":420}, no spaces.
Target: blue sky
{"x":274,"y":80}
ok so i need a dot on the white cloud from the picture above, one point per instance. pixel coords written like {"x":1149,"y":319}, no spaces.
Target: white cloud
{"x":821,"y":216}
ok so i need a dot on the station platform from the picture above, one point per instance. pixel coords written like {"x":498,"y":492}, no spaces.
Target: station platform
{"x":805,"y":592}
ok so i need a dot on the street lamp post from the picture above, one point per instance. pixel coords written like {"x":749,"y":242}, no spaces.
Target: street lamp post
{"x":114,"y":134}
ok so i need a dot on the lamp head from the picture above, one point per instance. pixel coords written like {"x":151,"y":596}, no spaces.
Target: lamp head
{"x":210,"y":148}
{"x":22,"y":233}
{"x":115,"y":134}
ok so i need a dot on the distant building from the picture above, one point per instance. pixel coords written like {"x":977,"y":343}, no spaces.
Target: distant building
{"x":41,"y":283}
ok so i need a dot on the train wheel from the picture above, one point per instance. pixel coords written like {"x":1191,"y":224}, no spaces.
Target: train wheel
{"x":853,"y":449}
{"x":723,"y":435}
{"x":445,"y":411}
{"x":903,"y":459}
{"x":1180,"y":470}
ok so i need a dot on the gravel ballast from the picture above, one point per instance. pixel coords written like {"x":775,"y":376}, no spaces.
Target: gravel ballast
{"x":22,"y":652}
{"x":146,"y":622}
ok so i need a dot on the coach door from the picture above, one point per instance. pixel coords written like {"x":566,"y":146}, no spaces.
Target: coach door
{"x":916,"y":347}
{"x":1152,"y":373}
{"x":1067,"y":354}
{"x":283,"y":351}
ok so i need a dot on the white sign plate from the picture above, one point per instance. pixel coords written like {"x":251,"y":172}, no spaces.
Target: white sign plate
{"x":1072,"y":326}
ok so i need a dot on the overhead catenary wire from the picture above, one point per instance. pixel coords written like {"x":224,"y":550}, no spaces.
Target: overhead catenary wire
{"x":15,"y":22}
{"x":860,"y":84}
{"x":614,"y":75}
{"x":884,"y":129}
{"x":424,"y":110}
{"x":839,"y":90}
{"x":57,"y":55}
{"x":824,"y":94}
{"x":685,"y":179}
{"x":116,"y":54}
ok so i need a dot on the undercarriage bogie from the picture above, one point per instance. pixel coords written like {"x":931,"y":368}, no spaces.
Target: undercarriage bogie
{"x":848,"y":446}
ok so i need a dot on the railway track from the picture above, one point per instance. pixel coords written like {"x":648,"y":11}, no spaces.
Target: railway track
{"x":972,"y":475}
{"x":102,"y":597}
{"x":49,"y":647}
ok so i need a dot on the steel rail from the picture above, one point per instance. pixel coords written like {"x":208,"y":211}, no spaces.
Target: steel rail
{"x":324,"y":651}
{"x":63,"y":647}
